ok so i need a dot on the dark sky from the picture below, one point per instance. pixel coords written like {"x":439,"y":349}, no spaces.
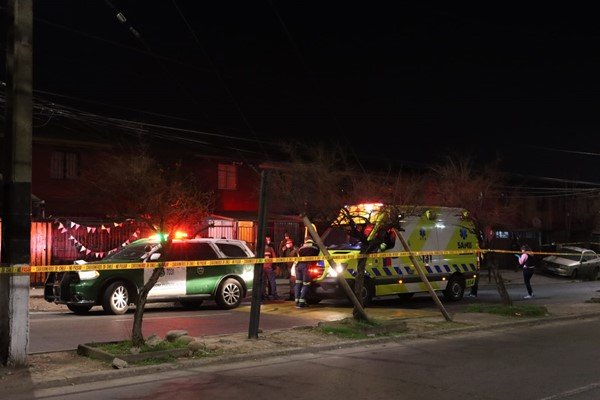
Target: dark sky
{"x":403,"y":81}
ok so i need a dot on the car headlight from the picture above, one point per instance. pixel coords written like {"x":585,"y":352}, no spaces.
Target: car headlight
{"x":88,"y":275}
{"x":338,"y":269}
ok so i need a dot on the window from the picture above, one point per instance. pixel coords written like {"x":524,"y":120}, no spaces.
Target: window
{"x":232,"y":250}
{"x":64,"y":165}
{"x":227,"y":177}
{"x":191,"y":252}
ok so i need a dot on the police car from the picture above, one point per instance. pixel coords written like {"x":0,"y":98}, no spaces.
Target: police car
{"x":116,"y":289}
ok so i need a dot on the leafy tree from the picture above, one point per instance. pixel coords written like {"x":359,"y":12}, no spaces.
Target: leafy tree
{"x":164,"y":197}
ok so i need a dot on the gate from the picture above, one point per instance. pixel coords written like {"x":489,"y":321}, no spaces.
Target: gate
{"x":40,"y":249}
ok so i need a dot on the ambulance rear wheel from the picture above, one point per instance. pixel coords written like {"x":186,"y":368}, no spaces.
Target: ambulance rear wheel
{"x":455,"y":289}
{"x":367,"y":293}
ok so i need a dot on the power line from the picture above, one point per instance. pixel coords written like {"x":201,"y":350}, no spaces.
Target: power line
{"x":217,"y":73}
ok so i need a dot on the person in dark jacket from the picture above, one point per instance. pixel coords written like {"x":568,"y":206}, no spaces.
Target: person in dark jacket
{"x":303,"y":280}
{"x":269,"y":279}
{"x":290,"y":250}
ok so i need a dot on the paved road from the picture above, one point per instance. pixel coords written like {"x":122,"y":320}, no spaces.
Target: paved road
{"x":558,"y":360}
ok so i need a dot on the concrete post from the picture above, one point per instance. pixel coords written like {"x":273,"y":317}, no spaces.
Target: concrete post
{"x":16,"y":186}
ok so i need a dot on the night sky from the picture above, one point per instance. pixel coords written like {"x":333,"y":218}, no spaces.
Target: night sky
{"x":400,"y":81}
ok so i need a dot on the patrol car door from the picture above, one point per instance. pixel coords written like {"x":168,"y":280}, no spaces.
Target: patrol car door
{"x":172,"y":281}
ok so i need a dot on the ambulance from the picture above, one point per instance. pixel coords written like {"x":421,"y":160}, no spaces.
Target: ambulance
{"x":444,"y":240}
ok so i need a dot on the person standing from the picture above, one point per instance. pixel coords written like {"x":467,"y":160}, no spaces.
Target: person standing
{"x":475,"y":287}
{"x":290,"y":250}
{"x":281,"y":248}
{"x":269,"y":279}
{"x":526,"y":261}
{"x":303,"y":280}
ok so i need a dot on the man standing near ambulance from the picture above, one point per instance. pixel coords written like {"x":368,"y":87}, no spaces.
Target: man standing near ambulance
{"x":302,"y":286}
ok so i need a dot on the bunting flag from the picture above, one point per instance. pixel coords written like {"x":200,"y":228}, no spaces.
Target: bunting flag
{"x":81,"y":248}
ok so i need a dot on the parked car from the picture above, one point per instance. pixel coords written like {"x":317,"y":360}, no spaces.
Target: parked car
{"x":574,"y":262}
{"x":116,"y":289}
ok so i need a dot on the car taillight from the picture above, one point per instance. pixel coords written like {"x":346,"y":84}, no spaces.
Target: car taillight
{"x":315,"y":271}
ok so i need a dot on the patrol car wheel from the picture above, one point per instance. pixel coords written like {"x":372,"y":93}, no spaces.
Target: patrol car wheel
{"x":79,"y":309}
{"x":455,"y":289}
{"x":116,"y":299}
{"x":229,"y":294}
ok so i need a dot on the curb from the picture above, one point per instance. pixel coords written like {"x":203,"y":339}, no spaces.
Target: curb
{"x":227,"y":359}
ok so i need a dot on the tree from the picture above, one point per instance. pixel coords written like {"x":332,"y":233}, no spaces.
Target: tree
{"x":164,"y":197}
{"x":456,"y":183}
{"x":319,"y":182}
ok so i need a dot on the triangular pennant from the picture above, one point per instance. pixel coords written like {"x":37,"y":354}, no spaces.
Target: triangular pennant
{"x":87,"y":252}
{"x":82,"y":248}
{"x":64,"y":230}
{"x":61,"y":226}
{"x":72,"y":224}
{"x":103,"y":227}
{"x":94,"y":229}
{"x":77,"y":226}
{"x":71,"y":237}
{"x":134,"y":234}
{"x":89,"y":229}
{"x":108,"y":230}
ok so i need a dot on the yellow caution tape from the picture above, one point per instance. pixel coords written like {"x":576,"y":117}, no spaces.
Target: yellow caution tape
{"x":231,"y":261}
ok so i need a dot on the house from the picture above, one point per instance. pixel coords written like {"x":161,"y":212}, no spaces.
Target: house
{"x":67,"y":227}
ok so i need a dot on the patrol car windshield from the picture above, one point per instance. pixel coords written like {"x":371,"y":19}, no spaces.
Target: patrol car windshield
{"x":132,"y":252}
{"x":336,"y":238}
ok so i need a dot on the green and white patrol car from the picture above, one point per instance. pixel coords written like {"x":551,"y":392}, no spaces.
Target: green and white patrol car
{"x":116,"y":289}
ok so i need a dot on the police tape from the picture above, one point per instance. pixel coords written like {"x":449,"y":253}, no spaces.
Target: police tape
{"x":232,"y":261}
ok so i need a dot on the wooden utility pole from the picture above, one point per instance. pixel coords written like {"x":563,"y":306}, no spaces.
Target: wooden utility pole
{"x":16,"y":185}
{"x":422,"y":275}
{"x":260,"y":253}
{"x":341,"y":280}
